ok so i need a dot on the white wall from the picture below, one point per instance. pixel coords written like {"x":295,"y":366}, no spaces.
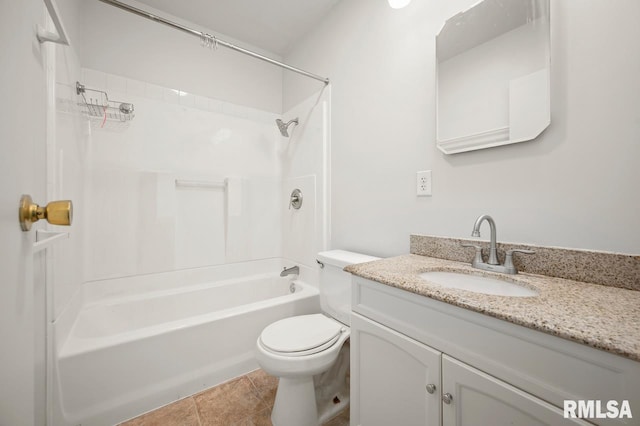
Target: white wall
{"x":70,"y":12}
{"x":118,"y":42}
{"x":575,"y":186}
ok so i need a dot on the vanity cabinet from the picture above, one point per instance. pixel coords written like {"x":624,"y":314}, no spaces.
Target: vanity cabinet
{"x":397,"y":379}
{"x":418,"y":361}
{"x":480,"y":399}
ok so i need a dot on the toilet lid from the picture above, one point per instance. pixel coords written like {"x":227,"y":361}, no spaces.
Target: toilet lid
{"x":301,"y":335}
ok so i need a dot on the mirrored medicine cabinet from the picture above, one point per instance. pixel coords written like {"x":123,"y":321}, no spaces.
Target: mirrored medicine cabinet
{"x":493,"y":63}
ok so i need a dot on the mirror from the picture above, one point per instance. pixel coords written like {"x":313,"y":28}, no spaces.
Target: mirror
{"x":493,"y":75}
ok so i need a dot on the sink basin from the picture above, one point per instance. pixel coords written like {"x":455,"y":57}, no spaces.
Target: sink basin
{"x":477,"y":284}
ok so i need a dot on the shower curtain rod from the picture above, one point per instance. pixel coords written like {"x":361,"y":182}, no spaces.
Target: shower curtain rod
{"x":208,"y":38}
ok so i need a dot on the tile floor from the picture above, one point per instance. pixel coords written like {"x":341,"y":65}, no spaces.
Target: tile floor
{"x":244,"y":401}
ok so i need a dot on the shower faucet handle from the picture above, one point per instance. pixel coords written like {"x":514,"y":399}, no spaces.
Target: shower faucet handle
{"x":296,"y":199}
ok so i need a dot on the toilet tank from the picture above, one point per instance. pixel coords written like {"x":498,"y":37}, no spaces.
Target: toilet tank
{"x":335,"y":284}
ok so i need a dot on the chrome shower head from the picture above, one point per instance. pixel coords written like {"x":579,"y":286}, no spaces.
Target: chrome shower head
{"x":284,"y":128}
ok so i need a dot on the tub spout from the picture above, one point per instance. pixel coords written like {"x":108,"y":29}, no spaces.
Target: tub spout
{"x":290,"y":271}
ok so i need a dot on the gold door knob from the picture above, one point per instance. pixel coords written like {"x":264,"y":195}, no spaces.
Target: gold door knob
{"x":56,"y":212}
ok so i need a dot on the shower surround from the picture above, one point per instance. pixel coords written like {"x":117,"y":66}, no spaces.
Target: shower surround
{"x":196,"y":182}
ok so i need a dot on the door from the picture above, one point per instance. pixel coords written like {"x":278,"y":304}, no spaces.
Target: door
{"x":473,"y":398}
{"x":22,"y":168}
{"x":394,"y":379}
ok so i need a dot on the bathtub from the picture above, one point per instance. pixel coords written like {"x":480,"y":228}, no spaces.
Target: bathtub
{"x":130,"y":352}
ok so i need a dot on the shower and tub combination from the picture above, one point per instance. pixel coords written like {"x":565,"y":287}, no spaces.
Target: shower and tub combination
{"x":135,"y":343}
{"x":143,"y":332}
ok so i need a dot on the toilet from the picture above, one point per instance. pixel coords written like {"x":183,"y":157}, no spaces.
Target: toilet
{"x":308,"y":353}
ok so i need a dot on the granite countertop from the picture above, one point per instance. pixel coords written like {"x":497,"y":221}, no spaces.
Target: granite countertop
{"x":606,"y":318}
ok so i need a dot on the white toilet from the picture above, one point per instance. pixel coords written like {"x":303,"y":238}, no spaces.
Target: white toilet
{"x":307,"y":353}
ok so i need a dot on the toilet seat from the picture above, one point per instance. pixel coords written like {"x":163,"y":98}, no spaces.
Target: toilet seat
{"x":301,"y":335}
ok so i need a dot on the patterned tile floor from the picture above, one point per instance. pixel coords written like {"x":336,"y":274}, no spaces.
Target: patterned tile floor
{"x":244,"y":401}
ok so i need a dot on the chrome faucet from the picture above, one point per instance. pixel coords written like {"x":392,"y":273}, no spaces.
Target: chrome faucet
{"x":493,"y":252}
{"x":492,"y":263}
{"x":290,"y":271}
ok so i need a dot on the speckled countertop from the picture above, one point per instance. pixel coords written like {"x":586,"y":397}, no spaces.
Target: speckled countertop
{"x":603,"y":317}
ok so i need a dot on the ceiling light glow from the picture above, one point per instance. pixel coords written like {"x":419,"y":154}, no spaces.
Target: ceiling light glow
{"x":398,"y":4}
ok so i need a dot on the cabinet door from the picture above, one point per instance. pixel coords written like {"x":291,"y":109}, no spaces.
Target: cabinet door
{"x":479,"y":399}
{"x":389,"y":377}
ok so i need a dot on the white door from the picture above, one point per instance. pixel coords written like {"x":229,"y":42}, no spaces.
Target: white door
{"x":22,"y":168}
{"x":478,"y":399}
{"x":394,"y":379}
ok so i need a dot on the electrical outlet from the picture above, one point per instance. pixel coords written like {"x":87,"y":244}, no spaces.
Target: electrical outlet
{"x":423,"y":182}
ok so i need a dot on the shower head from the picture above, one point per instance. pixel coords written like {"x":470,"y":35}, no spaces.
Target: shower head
{"x":284,"y":128}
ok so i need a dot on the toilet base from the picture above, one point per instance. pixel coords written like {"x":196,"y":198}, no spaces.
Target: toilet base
{"x":332,"y":387}
{"x":295,"y":403}
{"x":313,"y":400}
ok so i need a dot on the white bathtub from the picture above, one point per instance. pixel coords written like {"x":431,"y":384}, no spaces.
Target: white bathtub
{"x":128,"y":353}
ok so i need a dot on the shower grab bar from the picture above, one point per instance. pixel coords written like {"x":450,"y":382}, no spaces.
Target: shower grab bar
{"x":44,"y":35}
{"x":211,"y":40}
{"x":201,"y":184}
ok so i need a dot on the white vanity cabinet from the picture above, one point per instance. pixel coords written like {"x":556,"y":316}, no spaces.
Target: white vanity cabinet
{"x":397,"y":380}
{"x":481,"y":399}
{"x":418,"y":361}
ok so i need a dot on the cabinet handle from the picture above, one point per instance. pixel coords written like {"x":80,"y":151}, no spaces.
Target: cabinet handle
{"x":431,"y":388}
{"x":447,"y":398}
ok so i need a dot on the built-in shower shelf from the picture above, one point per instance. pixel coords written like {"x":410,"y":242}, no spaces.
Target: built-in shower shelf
{"x":202,"y":184}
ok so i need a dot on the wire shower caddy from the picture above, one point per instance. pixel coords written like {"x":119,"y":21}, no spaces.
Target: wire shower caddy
{"x":102,"y":111}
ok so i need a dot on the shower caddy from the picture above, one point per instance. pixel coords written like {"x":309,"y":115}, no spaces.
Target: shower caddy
{"x":101,"y":110}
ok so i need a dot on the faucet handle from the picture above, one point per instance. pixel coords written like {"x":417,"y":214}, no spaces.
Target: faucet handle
{"x":478,"y":257}
{"x":508,"y":260}
{"x":524,"y":251}
{"x":477,"y":247}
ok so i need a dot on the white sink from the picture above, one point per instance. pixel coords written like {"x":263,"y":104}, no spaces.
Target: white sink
{"x":477,"y":284}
